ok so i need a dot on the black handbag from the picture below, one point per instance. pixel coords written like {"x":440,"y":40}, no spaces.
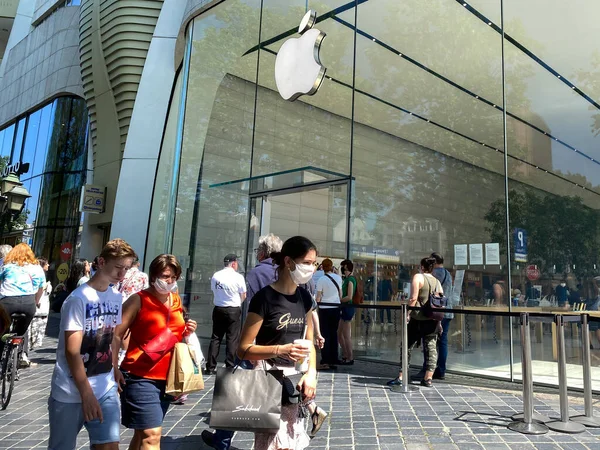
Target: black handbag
{"x":247,"y":400}
{"x":290,"y":395}
{"x":434,"y":308}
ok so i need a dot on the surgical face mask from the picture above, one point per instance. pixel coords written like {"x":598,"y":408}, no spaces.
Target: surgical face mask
{"x":165,"y":288}
{"x":563,"y":284}
{"x":302,"y":273}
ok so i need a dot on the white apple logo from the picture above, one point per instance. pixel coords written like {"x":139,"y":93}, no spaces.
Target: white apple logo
{"x":298,"y":69}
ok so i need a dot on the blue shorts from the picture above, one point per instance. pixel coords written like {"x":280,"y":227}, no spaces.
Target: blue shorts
{"x":143,"y":402}
{"x":347,"y":313}
{"x":66,"y":421}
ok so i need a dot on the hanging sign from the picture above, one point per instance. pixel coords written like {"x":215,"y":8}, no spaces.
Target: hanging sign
{"x":15,"y":169}
{"x":460,"y":255}
{"x":520,"y":239}
{"x":66,"y":250}
{"x":476,"y":254}
{"x":492,"y":254}
{"x":93,"y":199}
{"x":62,"y":273}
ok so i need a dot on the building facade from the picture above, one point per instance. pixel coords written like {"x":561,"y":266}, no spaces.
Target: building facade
{"x":468,"y":128}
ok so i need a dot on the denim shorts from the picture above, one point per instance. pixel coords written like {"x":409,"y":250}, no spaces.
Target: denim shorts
{"x":66,"y":420}
{"x":143,"y":402}
{"x":347,"y":313}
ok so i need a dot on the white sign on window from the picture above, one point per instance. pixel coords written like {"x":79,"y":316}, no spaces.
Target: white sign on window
{"x":476,"y":254}
{"x":492,"y":254}
{"x":460,"y":255}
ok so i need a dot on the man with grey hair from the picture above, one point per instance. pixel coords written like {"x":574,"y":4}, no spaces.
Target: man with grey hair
{"x":264,"y":273}
{"x":4,"y":249}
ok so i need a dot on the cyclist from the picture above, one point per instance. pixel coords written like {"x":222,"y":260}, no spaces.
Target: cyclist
{"x":21,"y":286}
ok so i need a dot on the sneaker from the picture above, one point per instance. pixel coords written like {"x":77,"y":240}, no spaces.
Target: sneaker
{"x":318,"y":418}
{"x":395,"y":382}
{"x":24,"y":362}
{"x":208,"y":438}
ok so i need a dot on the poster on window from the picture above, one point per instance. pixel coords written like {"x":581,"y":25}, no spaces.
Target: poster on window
{"x":492,"y":254}
{"x":460,"y":255}
{"x":476,"y":254}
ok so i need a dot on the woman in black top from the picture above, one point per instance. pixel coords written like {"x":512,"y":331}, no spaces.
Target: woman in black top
{"x":278,"y":314}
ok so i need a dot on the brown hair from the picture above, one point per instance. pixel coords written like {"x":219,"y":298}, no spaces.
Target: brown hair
{"x":116,"y":249}
{"x":160,"y":263}
{"x":21,"y":255}
{"x":327,"y":265}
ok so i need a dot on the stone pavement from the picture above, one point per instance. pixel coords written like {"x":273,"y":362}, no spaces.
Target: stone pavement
{"x":460,"y":413}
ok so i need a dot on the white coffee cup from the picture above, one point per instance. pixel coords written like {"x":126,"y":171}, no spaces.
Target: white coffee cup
{"x":302,"y":364}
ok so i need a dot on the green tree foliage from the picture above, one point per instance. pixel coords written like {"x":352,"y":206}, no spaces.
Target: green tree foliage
{"x":562,"y":231}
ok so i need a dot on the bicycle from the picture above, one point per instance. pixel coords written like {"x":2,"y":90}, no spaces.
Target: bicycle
{"x":13,"y":347}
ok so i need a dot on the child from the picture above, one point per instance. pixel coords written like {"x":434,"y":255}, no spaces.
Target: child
{"x":83,"y":390}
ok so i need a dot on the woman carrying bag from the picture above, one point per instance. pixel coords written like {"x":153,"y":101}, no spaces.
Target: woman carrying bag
{"x":155,"y":318}
{"x":279,"y":315}
{"x":420,"y":325}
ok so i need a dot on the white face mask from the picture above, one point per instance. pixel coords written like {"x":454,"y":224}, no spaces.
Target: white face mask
{"x":302,"y":274}
{"x":165,"y":288}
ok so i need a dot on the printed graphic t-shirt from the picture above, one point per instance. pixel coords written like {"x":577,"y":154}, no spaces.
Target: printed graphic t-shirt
{"x":283,"y":316}
{"x":96,"y":314}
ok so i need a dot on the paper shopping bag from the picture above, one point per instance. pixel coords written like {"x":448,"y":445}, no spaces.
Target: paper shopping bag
{"x":246,"y":400}
{"x":184,"y":375}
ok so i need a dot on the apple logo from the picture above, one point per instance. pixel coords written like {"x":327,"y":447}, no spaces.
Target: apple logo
{"x":298,"y":69}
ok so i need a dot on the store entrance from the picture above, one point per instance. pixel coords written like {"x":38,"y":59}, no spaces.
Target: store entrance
{"x":319,"y":213}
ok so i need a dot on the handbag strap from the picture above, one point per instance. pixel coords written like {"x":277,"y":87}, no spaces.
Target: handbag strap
{"x":334,"y":282}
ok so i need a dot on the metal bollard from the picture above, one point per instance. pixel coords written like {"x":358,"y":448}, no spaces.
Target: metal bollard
{"x":405,"y":387}
{"x":588,"y":418}
{"x":527,"y":425}
{"x":564,"y":425}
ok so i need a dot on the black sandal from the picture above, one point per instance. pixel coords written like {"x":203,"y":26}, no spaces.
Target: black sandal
{"x":427,"y":383}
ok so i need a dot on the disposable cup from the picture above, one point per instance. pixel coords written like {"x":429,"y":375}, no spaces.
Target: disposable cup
{"x":302,"y":363}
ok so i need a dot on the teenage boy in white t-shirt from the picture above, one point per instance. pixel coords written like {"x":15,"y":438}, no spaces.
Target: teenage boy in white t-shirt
{"x":83,"y":390}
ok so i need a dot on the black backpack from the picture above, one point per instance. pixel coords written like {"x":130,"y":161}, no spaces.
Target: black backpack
{"x":434,"y":308}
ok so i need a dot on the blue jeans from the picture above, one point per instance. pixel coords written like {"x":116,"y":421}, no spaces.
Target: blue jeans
{"x":222,"y":439}
{"x":442,"y":349}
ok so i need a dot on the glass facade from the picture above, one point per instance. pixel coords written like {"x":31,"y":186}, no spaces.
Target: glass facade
{"x":437,"y":118}
{"x":53,"y":141}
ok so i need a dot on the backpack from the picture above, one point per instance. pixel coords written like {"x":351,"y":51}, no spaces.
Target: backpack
{"x":434,"y":308}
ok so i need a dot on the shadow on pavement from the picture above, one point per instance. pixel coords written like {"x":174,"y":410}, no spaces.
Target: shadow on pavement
{"x":194,"y":442}
{"x":494,"y":420}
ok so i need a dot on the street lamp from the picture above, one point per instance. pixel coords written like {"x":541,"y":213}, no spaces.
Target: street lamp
{"x":9,"y":182}
{"x":16,"y":198}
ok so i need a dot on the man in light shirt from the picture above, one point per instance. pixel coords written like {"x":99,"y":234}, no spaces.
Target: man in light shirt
{"x":229,"y":289}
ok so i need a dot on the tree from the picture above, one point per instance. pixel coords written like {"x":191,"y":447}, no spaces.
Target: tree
{"x":563,"y":233}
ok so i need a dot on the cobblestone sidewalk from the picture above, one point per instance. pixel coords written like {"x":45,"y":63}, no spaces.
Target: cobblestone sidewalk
{"x":363,"y":414}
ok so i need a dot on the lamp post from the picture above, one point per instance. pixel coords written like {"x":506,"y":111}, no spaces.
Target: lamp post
{"x":12,"y":199}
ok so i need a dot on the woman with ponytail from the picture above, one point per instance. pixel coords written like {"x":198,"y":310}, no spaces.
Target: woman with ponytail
{"x":279,"y":315}
{"x":420,"y":326}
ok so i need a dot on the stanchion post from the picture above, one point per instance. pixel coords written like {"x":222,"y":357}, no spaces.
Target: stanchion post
{"x":588,"y":418}
{"x":405,"y":387}
{"x":564,"y":425}
{"x":527,"y":425}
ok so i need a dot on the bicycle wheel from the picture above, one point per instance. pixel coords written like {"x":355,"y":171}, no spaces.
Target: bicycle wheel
{"x":9,"y":373}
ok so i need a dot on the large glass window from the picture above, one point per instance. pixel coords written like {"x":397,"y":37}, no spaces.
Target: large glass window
{"x":53,"y":141}
{"x":412,"y":115}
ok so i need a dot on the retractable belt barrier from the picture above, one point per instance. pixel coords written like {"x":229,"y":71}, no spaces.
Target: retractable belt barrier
{"x":588,"y":418}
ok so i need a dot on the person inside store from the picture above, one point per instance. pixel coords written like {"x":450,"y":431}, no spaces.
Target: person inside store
{"x":150,"y":315}
{"x":21,"y":288}
{"x":499,"y":293}
{"x":445,"y":279}
{"x":265,"y":339}
{"x":329,"y":290}
{"x":349,"y":287}
{"x":229,"y":289}
{"x":419,"y":325}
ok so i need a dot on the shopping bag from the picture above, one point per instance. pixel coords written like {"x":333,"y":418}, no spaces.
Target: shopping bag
{"x":184,"y":374}
{"x":246,"y":400}
{"x":192,"y":339}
